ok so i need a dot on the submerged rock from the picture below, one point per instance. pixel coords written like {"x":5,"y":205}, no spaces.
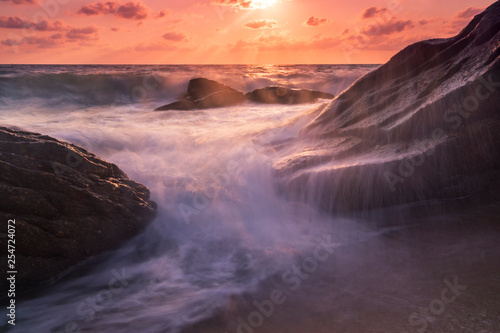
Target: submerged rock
{"x":283,"y":95}
{"x":67,"y":205}
{"x":426,"y":125}
{"x":206,"y":94}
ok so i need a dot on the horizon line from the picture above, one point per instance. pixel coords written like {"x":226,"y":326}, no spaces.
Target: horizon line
{"x":192,"y":64}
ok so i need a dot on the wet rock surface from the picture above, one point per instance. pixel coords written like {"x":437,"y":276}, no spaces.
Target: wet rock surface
{"x":283,"y":95}
{"x":426,"y":125}
{"x":67,"y":203}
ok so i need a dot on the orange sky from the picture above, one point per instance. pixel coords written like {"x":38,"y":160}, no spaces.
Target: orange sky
{"x":222,"y":31}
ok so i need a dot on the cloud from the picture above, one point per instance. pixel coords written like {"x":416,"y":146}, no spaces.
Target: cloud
{"x":243,"y":4}
{"x":99,"y":8}
{"x":469,"y":12}
{"x":115,"y":29}
{"x":129,"y":10}
{"x":461,"y":19}
{"x":261,"y":24}
{"x":16,"y":22}
{"x":275,"y":40}
{"x":87,"y":33}
{"x":174,"y":36}
{"x":316,"y":21}
{"x":379,"y":22}
{"x":162,"y":14}
{"x":20,"y":2}
{"x":388,"y":28}
{"x":374,"y":11}
{"x":133,"y":11}
{"x":40,"y":42}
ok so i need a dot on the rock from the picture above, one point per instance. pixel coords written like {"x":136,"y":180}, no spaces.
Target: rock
{"x":182,"y":105}
{"x":423,"y":126}
{"x":220,"y":99}
{"x":200,"y":88}
{"x":283,"y":95}
{"x":68,"y":205}
{"x":206,"y":94}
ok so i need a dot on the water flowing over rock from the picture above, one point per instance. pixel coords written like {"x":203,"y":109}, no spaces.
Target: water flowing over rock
{"x":283,"y":95}
{"x":426,"y":125}
{"x":207,"y":94}
{"x":67,"y":205}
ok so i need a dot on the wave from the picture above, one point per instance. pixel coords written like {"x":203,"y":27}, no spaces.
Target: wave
{"x":99,"y":89}
{"x":118,"y":85}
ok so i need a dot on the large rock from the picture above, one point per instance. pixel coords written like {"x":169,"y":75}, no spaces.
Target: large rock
{"x":426,"y":125}
{"x":182,"y":105}
{"x":283,"y":95}
{"x":200,"y":88}
{"x":206,"y":94}
{"x":67,"y":204}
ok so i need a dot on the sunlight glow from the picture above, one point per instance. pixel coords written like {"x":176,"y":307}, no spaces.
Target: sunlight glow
{"x":262,"y":4}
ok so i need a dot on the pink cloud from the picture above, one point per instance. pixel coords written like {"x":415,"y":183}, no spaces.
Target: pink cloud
{"x":21,"y":2}
{"x":374,"y":11}
{"x":316,"y":21}
{"x":388,"y":28}
{"x":469,"y":12}
{"x":461,"y":19}
{"x":16,"y":22}
{"x":87,"y":33}
{"x":129,"y":10}
{"x":133,"y":11}
{"x":40,"y":42}
{"x":99,"y":8}
{"x":174,"y":36}
{"x":162,"y":14}
{"x":261,"y":24}
{"x":283,"y":42}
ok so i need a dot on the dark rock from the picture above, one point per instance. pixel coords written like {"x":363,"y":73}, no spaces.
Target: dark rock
{"x":283,"y":95}
{"x":67,"y":204}
{"x":200,"y":88}
{"x":206,"y":94}
{"x":182,"y":105}
{"x":220,"y":99}
{"x":423,"y":126}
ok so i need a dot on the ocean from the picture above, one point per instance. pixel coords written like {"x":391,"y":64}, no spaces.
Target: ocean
{"x":225,"y":241}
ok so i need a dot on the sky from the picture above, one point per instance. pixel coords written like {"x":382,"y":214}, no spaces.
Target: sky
{"x":223,"y":31}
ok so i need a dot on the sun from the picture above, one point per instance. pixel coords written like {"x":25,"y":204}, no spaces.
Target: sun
{"x":262,"y":4}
